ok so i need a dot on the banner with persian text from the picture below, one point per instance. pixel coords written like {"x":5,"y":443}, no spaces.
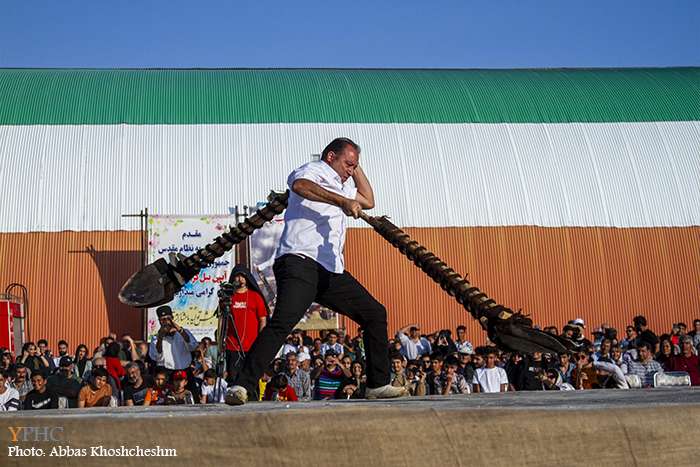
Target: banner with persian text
{"x":194,"y":306}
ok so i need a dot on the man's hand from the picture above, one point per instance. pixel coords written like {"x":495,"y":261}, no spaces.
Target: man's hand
{"x":351,"y":207}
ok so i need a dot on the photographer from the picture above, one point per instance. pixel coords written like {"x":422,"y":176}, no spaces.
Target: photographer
{"x":172,"y":347}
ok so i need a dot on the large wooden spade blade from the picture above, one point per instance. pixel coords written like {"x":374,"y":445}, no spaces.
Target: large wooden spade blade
{"x":158,"y":282}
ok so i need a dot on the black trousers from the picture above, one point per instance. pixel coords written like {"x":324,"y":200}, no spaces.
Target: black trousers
{"x":301,"y":281}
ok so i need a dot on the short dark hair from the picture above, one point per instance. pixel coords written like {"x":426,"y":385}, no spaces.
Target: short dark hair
{"x":62,"y":342}
{"x":42,"y":341}
{"x":639,"y":321}
{"x":210,"y":373}
{"x":279,"y":381}
{"x":461,"y":327}
{"x":337,"y":145}
{"x":99,"y":372}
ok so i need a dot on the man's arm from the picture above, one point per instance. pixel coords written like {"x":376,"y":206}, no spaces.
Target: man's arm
{"x":365,"y":195}
{"x":313,"y":192}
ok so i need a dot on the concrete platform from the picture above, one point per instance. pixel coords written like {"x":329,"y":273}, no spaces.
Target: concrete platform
{"x":637,"y":427}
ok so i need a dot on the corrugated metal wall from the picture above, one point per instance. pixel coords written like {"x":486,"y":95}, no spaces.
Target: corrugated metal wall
{"x":73,"y":280}
{"x":556,"y":274}
{"x":441,"y":175}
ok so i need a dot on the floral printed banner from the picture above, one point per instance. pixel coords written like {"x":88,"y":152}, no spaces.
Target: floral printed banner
{"x":194,"y":306}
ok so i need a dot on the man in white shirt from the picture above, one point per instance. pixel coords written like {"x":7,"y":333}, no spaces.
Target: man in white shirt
{"x":310,"y":267}
{"x":413,"y":346}
{"x":490,"y":378}
{"x":172,"y":347}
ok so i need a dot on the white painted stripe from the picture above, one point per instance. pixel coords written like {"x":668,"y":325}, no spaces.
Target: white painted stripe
{"x":599,"y":174}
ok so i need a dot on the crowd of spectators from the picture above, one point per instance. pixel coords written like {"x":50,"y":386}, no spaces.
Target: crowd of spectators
{"x":175,"y":368}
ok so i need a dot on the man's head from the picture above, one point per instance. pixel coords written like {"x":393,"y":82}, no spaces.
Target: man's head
{"x":451,"y":365}
{"x":39,"y":381}
{"x":564,"y":358}
{"x":645,"y":352}
{"x":43,"y":345}
{"x":461,"y":333}
{"x":99,"y":377}
{"x":640,"y":323}
{"x":436,"y":363}
{"x":343,"y":155}
{"x":304,"y":361}
{"x":682,"y":329}
{"x":62,"y":348}
{"x":492,"y":358}
{"x":210,"y":377}
{"x":133,"y":372}
{"x":240,"y":281}
{"x":330,"y":360}
{"x":292,"y":361}
{"x":165,"y":318}
{"x":332,"y":337}
{"x":4,"y":379}
{"x":397,"y":364}
{"x":20,"y":373}
{"x":99,"y":362}
{"x":414,"y":332}
{"x":686,"y":345}
{"x":65,"y":365}
{"x":160,"y":379}
{"x":696,"y":325}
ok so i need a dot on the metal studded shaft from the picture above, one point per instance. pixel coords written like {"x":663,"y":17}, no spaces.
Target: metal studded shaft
{"x":236,"y":234}
{"x":471,"y":298}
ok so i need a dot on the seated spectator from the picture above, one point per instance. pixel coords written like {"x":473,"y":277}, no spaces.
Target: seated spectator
{"x":358,"y":380}
{"x":444,"y":344}
{"x":645,"y":367}
{"x":332,"y":344}
{"x":97,"y":393}
{"x":630,"y":338}
{"x":157,"y":393}
{"x":695,"y":334}
{"x":666,"y":352}
{"x":398,"y":376}
{"x":490,"y":378}
{"x":62,"y":352}
{"x":9,"y":397}
{"x":44,"y":352}
{"x":63,"y":383}
{"x":603,"y":354}
{"x":328,"y":377}
{"x":610,"y":375}
{"x":552,"y":381}
{"x":466,"y":368}
{"x":200,"y":364}
{"x":566,"y":367}
{"x":81,"y":363}
{"x":450,"y":381}
{"x":114,"y":364}
{"x":436,"y":363}
{"x":413,"y":346}
{"x":462,"y":344}
{"x":687,"y":361}
{"x":179,"y":394}
{"x":305,"y":362}
{"x":585,"y":375}
{"x":213,"y":388}
{"x":297,"y":378}
{"x":136,"y":385}
{"x":33,"y":359}
{"x":267,"y":375}
{"x":644,"y":334}
{"x":616,"y":355}
{"x":21,"y":381}
{"x":40,"y":397}
{"x":278,"y":389}
{"x":532,"y":372}
{"x":6,"y":360}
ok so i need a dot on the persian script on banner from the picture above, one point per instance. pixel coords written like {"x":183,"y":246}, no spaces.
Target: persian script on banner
{"x":194,"y":306}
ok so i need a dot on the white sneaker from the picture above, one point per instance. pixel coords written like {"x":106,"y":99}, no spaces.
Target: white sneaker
{"x":386,"y":392}
{"x":236,"y":395}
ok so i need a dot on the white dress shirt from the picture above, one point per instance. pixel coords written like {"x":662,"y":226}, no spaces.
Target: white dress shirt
{"x":314,"y":229}
{"x":177,"y":354}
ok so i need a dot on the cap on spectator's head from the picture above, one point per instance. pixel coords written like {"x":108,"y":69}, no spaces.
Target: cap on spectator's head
{"x":467,"y":349}
{"x":164,"y":310}
{"x":65,"y":362}
{"x":180,"y":374}
{"x":303,"y":356}
{"x":579,"y":322}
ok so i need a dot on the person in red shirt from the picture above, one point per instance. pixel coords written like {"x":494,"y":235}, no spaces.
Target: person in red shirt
{"x":278,"y":389}
{"x":248,"y":317}
{"x":687,"y":361}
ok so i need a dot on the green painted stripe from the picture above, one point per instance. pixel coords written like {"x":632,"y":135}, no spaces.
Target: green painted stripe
{"x":69,"y":96}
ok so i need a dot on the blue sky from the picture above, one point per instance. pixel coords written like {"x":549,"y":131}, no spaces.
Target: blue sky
{"x":391,"y":34}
